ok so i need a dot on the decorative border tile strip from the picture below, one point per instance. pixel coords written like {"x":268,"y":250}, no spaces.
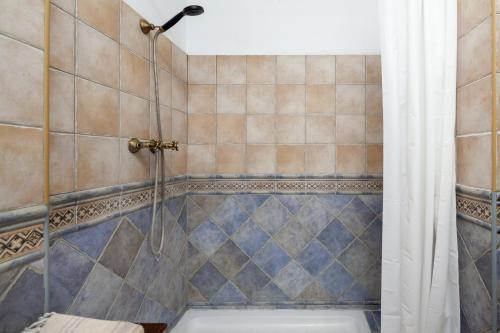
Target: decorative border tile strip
{"x":20,"y":242}
{"x":477,"y":208}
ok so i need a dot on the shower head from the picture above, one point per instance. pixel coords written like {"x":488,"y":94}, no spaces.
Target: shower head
{"x":193,"y":10}
{"x":189,"y":11}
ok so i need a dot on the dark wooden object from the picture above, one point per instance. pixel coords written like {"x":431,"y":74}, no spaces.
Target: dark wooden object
{"x":153,"y":328}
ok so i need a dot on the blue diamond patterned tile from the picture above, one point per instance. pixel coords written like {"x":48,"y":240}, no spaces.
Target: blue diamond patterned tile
{"x":335,"y":279}
{"x":293,"y":279}
{"x":250,"y":202}
{"x":372,"y":237}
{"x":335,"y":237}
{"x":357,"y":293}
{"x":271,"y":215}
{"x":483,"y":265}
{"x":476,"y":238}
{"x":208,"y":280}
{"x":175,"y":205}
{"x":374,"y":201}
{"x":356,"y":216}
{"x":229,"y":215}
{"x":229,"y":259}
{"x":196,"y":259}
{"x":141,"y":219}
{"x":250,"y":280}
{"x":314,"y":293}
{"x":144,"y":268}
{"x":207,"y":237}
{"x":373,"y":318}
{"x":208,"y":202}
{"x":175,"y":244}
{"x":183,"y":218}
{"x":270,"y":294}
{"x":314,"y":216}
{"x":293,"y":238}
{"x":271,"y":258}
{"x":228,"y":294}
{"x":153,"y":312}
{"x":464,"y":258}
{"x":68,"y":269}
{"x":157,"y":290}
{"x":175,"y":291}
{"x":195,"y":214}
{"x":371,"y":282}
{"x":357,"y":258}
{"x":92,"y":240}
{"x":293,"y":202}
{"x":250,"y":237}
{"x":335,"y":202}
{"x":314,"y":258}
{"x":126,"y":304}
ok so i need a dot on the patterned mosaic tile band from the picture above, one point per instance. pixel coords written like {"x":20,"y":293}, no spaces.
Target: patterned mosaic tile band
{"x":15,"y":244}
{"x":284,"y":249}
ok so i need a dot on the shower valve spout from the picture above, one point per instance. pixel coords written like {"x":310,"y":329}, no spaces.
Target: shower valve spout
{"x":134,"y":145}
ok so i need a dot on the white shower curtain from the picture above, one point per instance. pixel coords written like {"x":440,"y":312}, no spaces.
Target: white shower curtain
{"x":419,"y":252}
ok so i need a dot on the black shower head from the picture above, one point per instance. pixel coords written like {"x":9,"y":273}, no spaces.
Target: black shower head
{"x":189,"y":11}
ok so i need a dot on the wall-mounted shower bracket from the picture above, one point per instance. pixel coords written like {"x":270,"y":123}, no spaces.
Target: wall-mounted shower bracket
{"x":134,"y":145}
{"x":146,"y":27}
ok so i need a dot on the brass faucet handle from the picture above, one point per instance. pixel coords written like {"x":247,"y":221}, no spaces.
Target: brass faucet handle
{"x":173,"y":145}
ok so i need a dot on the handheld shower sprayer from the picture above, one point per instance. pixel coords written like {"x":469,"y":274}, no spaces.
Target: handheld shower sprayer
{"x":193,"y":10}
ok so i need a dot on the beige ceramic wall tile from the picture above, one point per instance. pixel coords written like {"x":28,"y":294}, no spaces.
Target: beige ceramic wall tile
{"x":179,"y":63}
{"x":202,"y":70}
{"x":261,"y":69}
{"x":201,"y":159}
{"x":164,"y":87}
{"x":62,"y":163}
{"x":320,"y":69}
{"x":320,"y":129}
{"x":474,"y":54}
{"x":23,"y":20}
{"x":103,"y":15}
{"x":291,"y":69}
{"x":164,"y":53}
{"x":290,"y":159}
{"x":375,"y":159}
{"x":66,"y":5}
{"x":21,"y":85}
{"x":134,"y":74}
{"x":261,"y":99}
{"x":202,"y":98}
{"x":231,"y":128}
{"x":290,"y":99}
{"x":134,"y":117}
{"x":471,"y":13}
{"x":230,"y":159}
{"x":261,"y":159}
{"x":179,"y":94}
{"x":133,"y":167}
{"x":166,"y":123}
{"x":179,"y":126}
{"x":350,"y":159}
{"x":350,"y":99}
{"x":130,"y":35}
{"x":320,"y":159}
{"x":350,"y":69}
{"x":260,"y":129}
{"x":21,"y":162}
{"x":62,"y":40}
{"x":97,"y":109}
{"x":474,"y":161}
{"x":231,"y":99}
{"x":373,"y":69}
{"x":350,"y":129}
{"x":62,"y":101}
{"x":290,"y":129}
{"x":373,"y":99}
{"x":474,"y":107}
{"x":201,"y":129}
{"x":374,"y":129}
{"x":179,"y":161}
{"x":97,"y":161}
{"x":97,"y":56}
{"x":231,"y":70}
{"x":320,"y":98}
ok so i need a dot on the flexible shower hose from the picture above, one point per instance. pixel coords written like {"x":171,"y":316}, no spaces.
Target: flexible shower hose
{"x":159,"y":162}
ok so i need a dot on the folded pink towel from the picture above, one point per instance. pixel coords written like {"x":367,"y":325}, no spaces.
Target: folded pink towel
{"x":60,"y":323}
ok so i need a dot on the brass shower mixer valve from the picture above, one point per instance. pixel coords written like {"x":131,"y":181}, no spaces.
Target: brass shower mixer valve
{"x":134,"y":145}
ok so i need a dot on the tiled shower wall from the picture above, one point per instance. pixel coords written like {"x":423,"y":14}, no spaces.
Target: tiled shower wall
{"x":284,"y":115}
{"x":474,"y":161}
{"x":278,"y":249}
{"x":103,"y":271}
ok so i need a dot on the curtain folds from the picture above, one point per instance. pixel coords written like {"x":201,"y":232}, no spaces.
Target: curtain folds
{"x":419,"y":252}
